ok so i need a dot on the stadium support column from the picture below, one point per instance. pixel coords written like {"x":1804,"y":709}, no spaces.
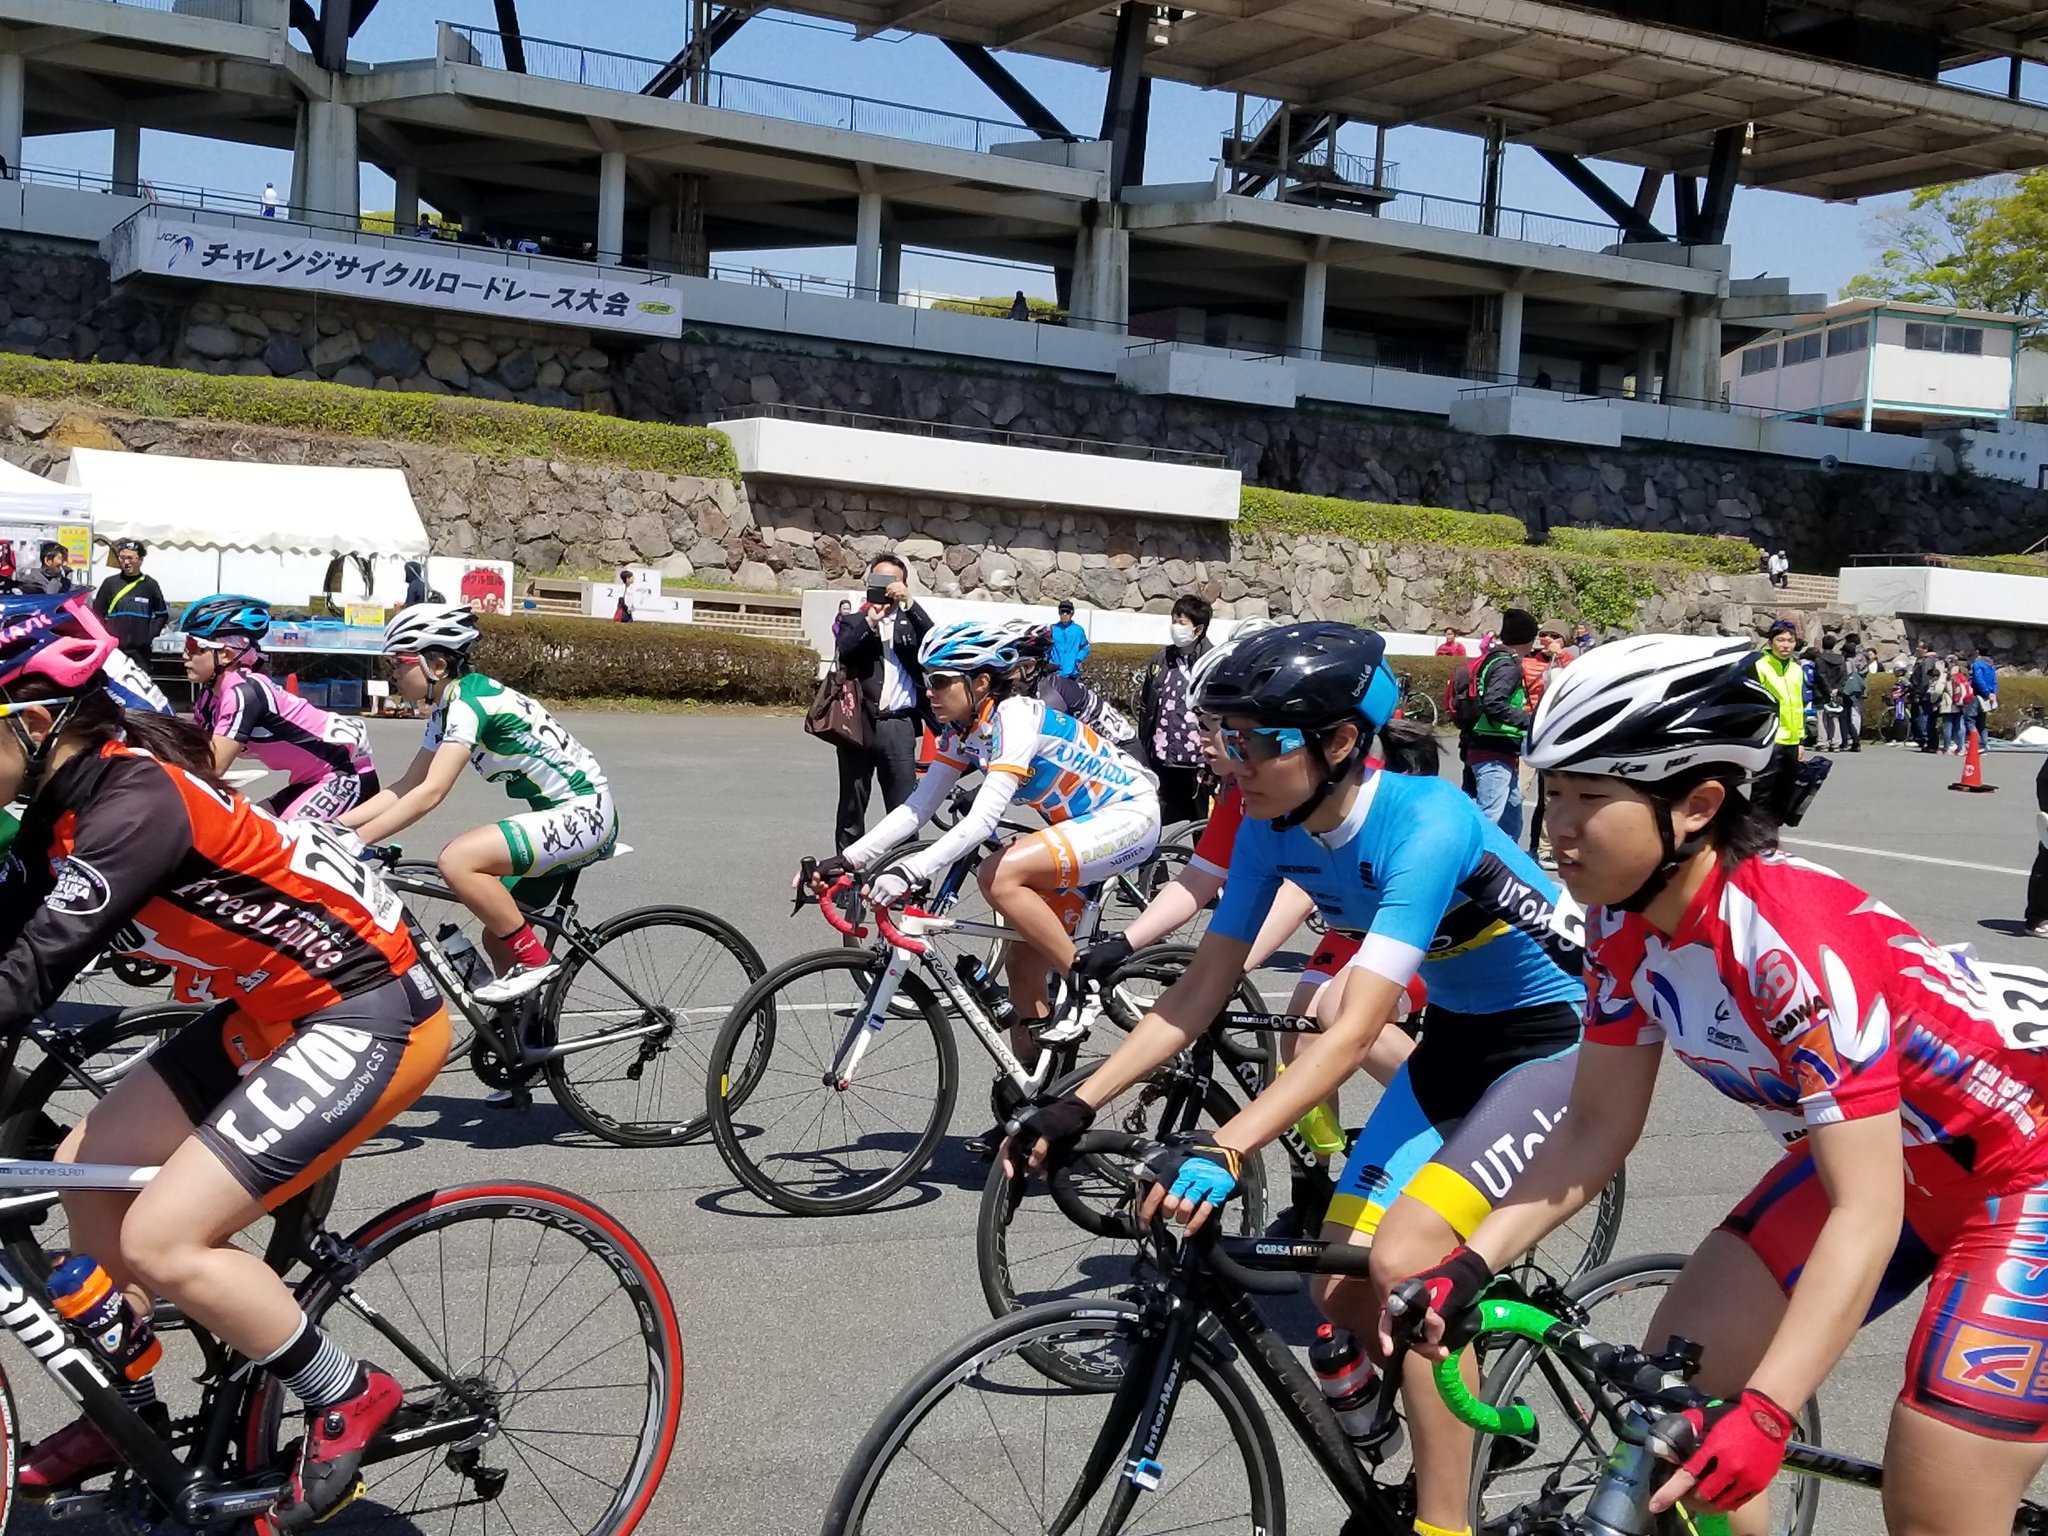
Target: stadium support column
{"x":1646,"y":369}
{"x":1101,"y":294}
{"x":405,"y":198}
{"x":332,"y":190}
{"x":892,"y":266}
{"x":1507,"y":360}
{"x":127,"y":159}
{"x":867,"y":246}
{"x":13,"y":108}
{"x":1305,"y":314}
{"x":1693,"y":376}
{"x":611,"y":207}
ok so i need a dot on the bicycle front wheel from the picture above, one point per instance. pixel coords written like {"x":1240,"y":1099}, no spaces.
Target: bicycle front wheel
{"x":634,"y":1014}
{"x":982,"y":1442}
{"x":1552,"y":1473}
{"x":528,"y":1312}
{"x":797,"y":1119}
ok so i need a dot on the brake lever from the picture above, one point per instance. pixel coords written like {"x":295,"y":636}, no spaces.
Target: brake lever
{"x":807,"y":871}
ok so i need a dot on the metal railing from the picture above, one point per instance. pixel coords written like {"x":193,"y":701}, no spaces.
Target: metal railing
{"x":915,"y":428}
{"x":1509,"y":223}
{"x":578,"y":65}
{"x":211,"y":10}
{"x":167,"y":193}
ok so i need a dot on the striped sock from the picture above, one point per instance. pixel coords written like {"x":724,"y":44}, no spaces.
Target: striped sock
{"x":317,"y":1370}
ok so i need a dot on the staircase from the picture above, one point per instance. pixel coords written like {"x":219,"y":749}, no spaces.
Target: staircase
{"x":1256,"y":162}
{"x":1803,"y":590}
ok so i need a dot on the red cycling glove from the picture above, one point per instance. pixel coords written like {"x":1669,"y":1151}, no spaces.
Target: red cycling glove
{"x":1742,"y":1445}
{"x":1449,"y":1288}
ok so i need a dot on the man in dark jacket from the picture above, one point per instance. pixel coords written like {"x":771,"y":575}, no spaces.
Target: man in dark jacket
{"x":1492,"y":748}
{"x":1830,"y":674}
{"x":877,"y":645}
{"x":53,"y":575}
{"x":132,"y":604}
{"x":1923,"y":685}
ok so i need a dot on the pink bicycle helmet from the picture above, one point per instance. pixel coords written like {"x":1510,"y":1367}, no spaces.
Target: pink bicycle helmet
{"x":57,"y":636}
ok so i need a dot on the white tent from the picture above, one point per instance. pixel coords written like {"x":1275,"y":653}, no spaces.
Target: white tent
{"x":226,"y":525}
{"x":24,"y":496}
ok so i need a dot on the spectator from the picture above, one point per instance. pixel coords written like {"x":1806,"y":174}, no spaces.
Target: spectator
{"x":1543,"y":378}
{"x":1955,"y":703}
{"x":845,"y":608}
{"x":416,"y":588}
{"x":622,"y":613}
{"x":1984,"y":684}
{"x":2037,"y":882}
{"x":1020,"y":309}
{"x":270,"y":199}
{"x":1452,"y":645}
{"x":1538,"y":667}
{"x":1923,"y":684}
{"x":1167,"y":732}
{"x":1830,"y":675}
{"x":132,"y":604}
{"x":53,"y":575}
{"x":1492,"y":748}
{"x":1583,"y":638}
{"x":877,"y":646}
{"x":1856,"y":664}
{"x":1786,"y":679}
{"x":1069,"y":642}
{"x":1779,"y":567}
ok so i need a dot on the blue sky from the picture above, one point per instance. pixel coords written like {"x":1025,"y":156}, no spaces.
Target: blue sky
{"x":1817,"y":245}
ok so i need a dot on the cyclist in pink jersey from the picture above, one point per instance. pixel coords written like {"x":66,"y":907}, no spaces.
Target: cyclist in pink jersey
{"x":324,"y":757}
{"x":1904,"y":1079}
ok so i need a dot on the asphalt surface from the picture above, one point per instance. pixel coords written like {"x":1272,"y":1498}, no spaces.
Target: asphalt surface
{"x":798,"y":1331}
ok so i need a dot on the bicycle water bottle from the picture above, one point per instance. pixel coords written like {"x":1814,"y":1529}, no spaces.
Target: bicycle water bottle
{"x":85,"y":1297}
{"x":993,"y":995}
{"x":1319,"y":1128}
{"x":463,"y":955}
{"x":1351,"y":1386}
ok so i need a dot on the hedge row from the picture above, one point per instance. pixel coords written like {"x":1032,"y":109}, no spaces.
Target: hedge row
{"x":1710,"y":552}
{"x":487,"y":427}
{"x":575,"y":658}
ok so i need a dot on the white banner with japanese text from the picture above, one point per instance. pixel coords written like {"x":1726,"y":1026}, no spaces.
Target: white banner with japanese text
{"x":435,"y":273}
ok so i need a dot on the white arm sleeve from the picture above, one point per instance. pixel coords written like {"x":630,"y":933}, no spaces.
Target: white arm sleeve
{"x":990,"y":801}
{"x":904,"y":821}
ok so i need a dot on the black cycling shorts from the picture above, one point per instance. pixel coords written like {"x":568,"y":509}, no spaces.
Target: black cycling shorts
{"x":281,"y":1123}
{"x":1461,"y":1055}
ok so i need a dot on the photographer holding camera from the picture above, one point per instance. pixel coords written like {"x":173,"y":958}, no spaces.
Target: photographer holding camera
{"x":877,"y":646}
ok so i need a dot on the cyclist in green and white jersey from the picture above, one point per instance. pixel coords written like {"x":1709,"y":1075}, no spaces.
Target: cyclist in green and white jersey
{"x":512,"y":741}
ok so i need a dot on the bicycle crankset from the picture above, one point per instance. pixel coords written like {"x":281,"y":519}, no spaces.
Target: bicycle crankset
{"x":494,"y":1071}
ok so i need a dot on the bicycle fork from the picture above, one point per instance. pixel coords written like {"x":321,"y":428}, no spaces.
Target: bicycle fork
{"x":866,"y":1023}
{"x":1139,"y":1415}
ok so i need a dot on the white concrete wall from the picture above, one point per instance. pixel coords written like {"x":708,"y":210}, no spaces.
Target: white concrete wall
{"x":1937,"y":381}
{"x":65,"y":213}
{"x":1941,"y":592}
{"x":1201,"y":373}
{"x":964,"y":469}
{"x":1538,"y":414}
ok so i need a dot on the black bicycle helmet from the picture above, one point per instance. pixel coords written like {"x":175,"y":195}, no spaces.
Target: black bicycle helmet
{"x":1310,"y":676}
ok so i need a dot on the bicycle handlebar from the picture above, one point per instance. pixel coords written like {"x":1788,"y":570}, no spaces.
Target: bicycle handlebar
{"x":896,"y":937}
{"x":829,"y":905}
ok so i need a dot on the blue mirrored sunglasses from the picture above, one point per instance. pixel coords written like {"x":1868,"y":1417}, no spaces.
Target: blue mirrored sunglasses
{"x":1259,"y":744}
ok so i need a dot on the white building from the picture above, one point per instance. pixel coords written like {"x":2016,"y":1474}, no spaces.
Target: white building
{"x":1881,"y":366}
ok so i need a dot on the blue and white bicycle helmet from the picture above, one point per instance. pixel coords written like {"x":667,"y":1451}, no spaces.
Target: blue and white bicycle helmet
{"x":227,"y":616}
{"x":975,"y":645}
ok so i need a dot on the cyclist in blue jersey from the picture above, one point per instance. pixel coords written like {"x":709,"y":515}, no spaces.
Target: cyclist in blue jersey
{"x":1428,"y":885}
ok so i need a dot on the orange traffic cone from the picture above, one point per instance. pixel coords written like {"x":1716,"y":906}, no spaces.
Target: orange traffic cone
{"x":291,"y":682}
{"x":1972,"y":780}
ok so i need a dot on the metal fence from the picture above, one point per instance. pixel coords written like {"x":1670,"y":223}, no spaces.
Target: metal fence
{"x":744,"y":93}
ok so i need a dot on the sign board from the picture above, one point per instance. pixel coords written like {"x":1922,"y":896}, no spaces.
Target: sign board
{"x":485,"y":585}
{"x":637,"y":596}
{"x":363,"y":616}
{"x":435,"y":274}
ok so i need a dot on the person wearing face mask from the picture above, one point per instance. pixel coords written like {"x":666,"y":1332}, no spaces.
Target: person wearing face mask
{"x":1167,"y":732}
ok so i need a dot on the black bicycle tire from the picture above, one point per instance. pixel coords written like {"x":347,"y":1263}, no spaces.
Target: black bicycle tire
{"x":426,"y":1214}
{"x":1208,"y":1365}
{"x":559,"y":1071}
{"x":1599,"y":1249}
{"x":720,"y":1101}
{"x":1505,"y":1372}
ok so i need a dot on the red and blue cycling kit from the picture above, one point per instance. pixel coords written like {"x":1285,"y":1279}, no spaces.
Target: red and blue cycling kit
{"x":1793,"y":991}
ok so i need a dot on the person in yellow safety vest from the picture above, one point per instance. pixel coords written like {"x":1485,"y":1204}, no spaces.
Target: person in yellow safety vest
{"x":1779,"y":669}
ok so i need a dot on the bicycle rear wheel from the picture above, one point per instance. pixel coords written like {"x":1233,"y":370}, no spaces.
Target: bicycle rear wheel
{"x":784,"y":1122}
{"x":980,"y":1441}
{"x":1551,"y":1475}
{"x":640,"y":1007}
{"x":544,"y":1319}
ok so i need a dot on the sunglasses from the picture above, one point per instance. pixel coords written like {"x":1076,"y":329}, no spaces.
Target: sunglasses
{"x":942,"y":679}
{"x":1258,"y":744}
{"x":194,"y":646}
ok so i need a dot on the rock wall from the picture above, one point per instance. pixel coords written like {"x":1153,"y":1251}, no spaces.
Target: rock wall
{"x":1820,"y":517}
{"x":58,"y":304}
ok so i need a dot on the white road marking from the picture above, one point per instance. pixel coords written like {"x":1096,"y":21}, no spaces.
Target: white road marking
{"x":1910,"y":858}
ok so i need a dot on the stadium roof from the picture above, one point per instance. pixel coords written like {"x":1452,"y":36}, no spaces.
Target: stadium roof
{"x":1584,"y":80}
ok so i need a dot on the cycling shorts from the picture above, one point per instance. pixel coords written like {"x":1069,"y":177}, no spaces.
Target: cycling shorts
{"x":1102,"y":843}
{"x":562,"y":837}
{"x":327,"y":799}
{"x":1979,"y":1356}
{"x":279,"y":1120}
{"x":1446,"y":1082}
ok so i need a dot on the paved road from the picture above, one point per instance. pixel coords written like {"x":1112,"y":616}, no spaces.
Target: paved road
{"x":797,"y":1331}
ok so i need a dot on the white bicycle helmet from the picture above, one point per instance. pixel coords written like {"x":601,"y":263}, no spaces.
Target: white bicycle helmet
{"x":1653,"y":706}
{"x":431,"y":627}
{"x":1244,"y":629}
{"x":976,"y":645}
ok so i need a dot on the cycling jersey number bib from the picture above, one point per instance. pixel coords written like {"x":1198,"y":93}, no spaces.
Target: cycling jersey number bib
{"x":514,"y":742}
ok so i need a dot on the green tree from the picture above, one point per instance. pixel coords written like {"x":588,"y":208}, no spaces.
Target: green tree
{"x":1975,"y":245}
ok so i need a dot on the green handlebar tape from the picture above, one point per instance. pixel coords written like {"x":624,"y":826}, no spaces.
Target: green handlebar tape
{"x":1515,"y":1317}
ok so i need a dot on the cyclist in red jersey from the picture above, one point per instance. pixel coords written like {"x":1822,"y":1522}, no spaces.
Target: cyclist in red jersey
{"x":1900,"y":1074}
{"x":329,"y":1026}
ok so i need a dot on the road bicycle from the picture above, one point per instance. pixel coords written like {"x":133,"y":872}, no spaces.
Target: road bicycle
{"x":832,"y":1081}
{"x":619,"y":1035}
{"x":538,"y":1348}
{"x":1418,"y":702}
{"x":1027,"y":1251}
{"x":1169,"y":1436}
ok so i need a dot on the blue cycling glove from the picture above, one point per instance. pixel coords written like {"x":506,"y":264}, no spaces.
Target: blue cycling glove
{"x":1198,"y":1172}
